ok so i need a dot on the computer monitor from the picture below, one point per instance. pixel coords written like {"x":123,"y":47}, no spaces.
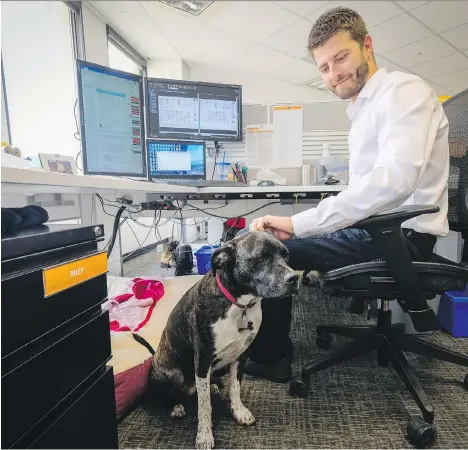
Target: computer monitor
{"x":178,"y":109}
{"x":176,"y":159}
{"x":112,"y":124}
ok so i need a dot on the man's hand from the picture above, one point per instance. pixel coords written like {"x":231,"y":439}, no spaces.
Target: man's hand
{"x":281,"y":227}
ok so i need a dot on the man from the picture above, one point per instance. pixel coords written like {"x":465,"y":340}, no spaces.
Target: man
{"x":398,"y":145}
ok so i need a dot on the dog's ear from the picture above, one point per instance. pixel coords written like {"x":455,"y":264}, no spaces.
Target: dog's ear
{"x":222,"y":257}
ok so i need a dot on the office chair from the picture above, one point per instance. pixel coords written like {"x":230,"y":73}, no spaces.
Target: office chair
{"x":408,"y":281}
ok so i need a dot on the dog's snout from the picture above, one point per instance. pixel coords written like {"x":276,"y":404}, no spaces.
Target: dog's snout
{"x":292,"y":278}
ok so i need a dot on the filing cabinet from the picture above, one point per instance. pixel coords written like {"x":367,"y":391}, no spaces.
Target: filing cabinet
{"x":57,"y":391}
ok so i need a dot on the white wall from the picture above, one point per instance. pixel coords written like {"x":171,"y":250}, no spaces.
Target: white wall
{"x":176,"y":69}
{"x":39,"y":74}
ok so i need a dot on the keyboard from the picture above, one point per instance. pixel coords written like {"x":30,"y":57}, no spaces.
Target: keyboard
{"x":201,"y":183}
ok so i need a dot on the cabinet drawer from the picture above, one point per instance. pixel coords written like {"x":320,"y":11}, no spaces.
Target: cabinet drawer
{"x":27,"y":314}
{"x":88,"y":422}
{"x":38,"y":377}
{"x":28,"y":263}
{"x":48,"y":237}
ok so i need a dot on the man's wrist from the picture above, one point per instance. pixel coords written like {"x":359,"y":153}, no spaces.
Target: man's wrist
{"x":304,"y":222}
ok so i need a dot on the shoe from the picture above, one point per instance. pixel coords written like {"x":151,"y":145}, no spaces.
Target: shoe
{"x":311,"y":278}
{"x":277,"y":371}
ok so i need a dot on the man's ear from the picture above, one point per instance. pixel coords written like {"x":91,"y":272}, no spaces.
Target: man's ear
{"x":368,"y":44}
{"x":221,"y":257}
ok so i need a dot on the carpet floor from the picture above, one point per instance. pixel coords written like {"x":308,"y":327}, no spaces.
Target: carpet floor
{"x":356,"y":404}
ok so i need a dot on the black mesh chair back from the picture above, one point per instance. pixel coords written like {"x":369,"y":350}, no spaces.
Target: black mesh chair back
{"x":456,"y":110}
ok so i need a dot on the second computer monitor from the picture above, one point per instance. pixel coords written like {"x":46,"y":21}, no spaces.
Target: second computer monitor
{"x":178,"y":109}
{"x":176,"y":159}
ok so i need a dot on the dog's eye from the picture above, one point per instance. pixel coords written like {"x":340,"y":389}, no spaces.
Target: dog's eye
{"x":262,"y":257}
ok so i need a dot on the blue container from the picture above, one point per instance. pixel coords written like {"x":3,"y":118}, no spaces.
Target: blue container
{"x":203,"y":256}
{"x":453,"y":313}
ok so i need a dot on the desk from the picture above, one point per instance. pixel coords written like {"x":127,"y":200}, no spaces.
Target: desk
{"x":16,"y":181}
{"x":72,"y":196}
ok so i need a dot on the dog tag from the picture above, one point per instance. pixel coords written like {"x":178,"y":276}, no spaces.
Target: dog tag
{"x":243,"y":323}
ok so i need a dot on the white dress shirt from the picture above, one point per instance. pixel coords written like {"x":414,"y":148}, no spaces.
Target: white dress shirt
{"x":399,"y":155}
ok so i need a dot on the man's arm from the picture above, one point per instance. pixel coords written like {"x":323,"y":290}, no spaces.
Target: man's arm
{"x":407,"y":131}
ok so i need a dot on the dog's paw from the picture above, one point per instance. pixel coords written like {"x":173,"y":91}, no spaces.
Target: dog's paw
{"x":178,"y":412}
{"x":243,"y":416}
{"x":214,"y":388}
{"x":205,"y":439}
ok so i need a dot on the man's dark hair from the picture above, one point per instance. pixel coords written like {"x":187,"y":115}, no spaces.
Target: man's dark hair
{"x":336,"y":20}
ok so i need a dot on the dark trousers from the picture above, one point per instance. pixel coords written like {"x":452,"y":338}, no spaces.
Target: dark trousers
{"x":321,"y":253}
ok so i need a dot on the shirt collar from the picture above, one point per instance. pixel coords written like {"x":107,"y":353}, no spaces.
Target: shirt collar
{"x":368,"y":89}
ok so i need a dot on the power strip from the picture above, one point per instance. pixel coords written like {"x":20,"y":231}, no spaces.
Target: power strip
{"x":164,"y":205}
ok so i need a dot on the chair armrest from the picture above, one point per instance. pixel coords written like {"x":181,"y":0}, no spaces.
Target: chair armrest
{"x":396,"y":216}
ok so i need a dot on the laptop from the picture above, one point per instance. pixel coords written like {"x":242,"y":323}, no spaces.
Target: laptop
{"x":180,"y":163}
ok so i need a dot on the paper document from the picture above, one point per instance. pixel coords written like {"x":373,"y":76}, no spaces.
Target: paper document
{"x":287,"y":141}
{"x":259,"y":145}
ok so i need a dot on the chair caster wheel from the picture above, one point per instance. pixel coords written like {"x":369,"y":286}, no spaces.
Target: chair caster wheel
{"x":298,"y":387}
{"x":421,"y":433}
{"x":324,"y":340}
{"x":466,"y":381}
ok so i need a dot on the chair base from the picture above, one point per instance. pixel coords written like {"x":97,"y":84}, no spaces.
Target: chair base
{"x":390,"y":341}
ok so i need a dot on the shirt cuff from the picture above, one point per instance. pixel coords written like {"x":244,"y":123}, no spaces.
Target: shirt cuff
{"x":304,"y":223}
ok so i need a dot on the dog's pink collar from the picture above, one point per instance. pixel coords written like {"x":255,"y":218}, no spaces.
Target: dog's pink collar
{"x":225,"y":292}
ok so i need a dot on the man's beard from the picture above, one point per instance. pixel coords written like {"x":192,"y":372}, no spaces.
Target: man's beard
{"x":359,"y":78}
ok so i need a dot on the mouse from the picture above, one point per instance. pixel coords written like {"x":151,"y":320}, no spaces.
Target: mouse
{"x":266,"y":183}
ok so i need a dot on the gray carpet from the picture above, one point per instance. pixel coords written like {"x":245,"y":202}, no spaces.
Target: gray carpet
{"x":353,"y":405}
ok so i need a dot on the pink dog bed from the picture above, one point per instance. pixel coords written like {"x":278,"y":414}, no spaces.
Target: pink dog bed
{"x":148,"y":316}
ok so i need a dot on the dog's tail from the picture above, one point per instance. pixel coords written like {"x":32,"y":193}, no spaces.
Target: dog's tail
{"x":143,"y":342}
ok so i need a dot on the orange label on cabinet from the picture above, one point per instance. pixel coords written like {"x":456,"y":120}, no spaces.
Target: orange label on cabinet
{"x":65,"y":276}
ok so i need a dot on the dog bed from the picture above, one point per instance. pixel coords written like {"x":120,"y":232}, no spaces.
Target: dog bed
{"x":131,"y":361}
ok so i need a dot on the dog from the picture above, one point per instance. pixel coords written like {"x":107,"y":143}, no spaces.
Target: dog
{"x":211,"y":327}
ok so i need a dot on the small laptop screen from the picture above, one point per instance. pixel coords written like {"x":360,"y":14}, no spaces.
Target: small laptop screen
{"x":176,"y":159}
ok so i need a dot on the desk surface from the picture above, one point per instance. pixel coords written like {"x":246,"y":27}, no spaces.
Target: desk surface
{"x":37,"y":181}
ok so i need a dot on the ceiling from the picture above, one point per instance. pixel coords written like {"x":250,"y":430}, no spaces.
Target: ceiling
{"x":262,"y":44}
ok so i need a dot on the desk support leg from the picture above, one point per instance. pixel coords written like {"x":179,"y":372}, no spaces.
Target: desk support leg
{"x":120,"y":254}
{"x":183,"y":231}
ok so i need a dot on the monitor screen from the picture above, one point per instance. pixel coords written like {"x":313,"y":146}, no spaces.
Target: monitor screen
{"x":192,"y":110}
{"x":112,"y":132}
{"x":176,"y":159}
